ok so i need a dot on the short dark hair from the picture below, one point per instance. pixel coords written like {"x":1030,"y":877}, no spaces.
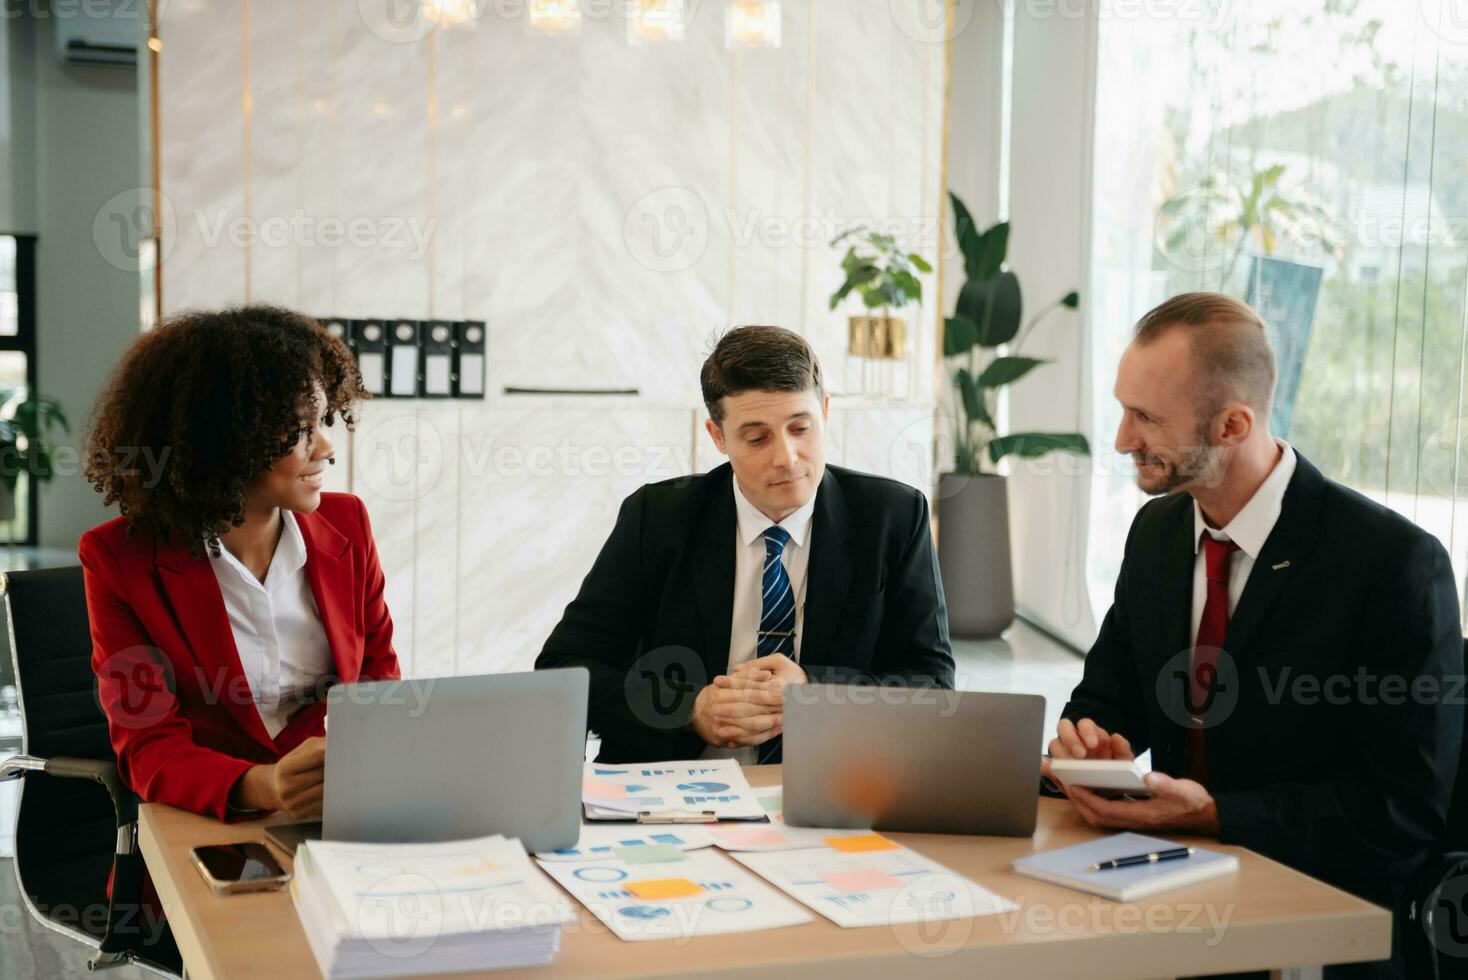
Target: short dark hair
{"x":1228,"y":346}
{"x":758,"y":358}
{"x":216,"y":398}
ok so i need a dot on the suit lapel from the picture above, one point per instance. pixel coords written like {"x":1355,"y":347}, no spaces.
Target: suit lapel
{"x":1176,"y":587}
{"x":828,"y":575}
{"x":1290,"y":541}
{"x":329,"y":570}
{"x":198,"y":607}
{"x":713,"y":569}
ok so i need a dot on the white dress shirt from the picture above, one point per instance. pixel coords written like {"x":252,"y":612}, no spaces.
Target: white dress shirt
{"x":277,"y":630}
{"x":749,"y":570}
{"x":1249,"y":529}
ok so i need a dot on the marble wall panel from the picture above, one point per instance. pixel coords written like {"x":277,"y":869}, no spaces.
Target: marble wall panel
{"x":201,"y":123}
{"x":539,"y":493}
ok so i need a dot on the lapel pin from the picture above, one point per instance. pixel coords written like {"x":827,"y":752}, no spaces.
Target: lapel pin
{"x":1283,"y":564}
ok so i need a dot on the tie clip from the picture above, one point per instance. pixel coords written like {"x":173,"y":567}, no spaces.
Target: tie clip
{"x":776,"y":632}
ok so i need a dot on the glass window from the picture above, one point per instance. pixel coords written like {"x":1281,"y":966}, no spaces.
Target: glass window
{"x":1306,"y":156}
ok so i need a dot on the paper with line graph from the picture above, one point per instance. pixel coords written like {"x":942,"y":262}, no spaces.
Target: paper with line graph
{"x":620,"y":792}
{"x":869,"y":880}
{"x":702,"y":893}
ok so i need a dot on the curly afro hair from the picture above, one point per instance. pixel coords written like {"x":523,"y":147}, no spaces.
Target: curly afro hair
{"x":208,"y":401}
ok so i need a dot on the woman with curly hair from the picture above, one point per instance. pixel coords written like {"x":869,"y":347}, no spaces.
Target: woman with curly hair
{"x":232,"y":592}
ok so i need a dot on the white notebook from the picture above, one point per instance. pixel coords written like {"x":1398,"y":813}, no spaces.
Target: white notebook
{"x":1071,"y":867}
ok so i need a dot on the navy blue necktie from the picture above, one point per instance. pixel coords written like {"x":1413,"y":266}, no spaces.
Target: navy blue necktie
{"x":777,"y":618}
{"x":777,"y":607}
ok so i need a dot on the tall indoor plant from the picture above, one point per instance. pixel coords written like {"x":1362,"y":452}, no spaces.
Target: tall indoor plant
{"x":982,"y":344}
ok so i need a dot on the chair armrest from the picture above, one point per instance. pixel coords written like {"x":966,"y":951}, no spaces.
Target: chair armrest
{"x":102,"y":771}
{"x":18,"y":765}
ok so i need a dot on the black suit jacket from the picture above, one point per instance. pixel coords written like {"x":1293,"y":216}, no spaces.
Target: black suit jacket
{"x":1321,"y":752}
{"x":652,"y":620}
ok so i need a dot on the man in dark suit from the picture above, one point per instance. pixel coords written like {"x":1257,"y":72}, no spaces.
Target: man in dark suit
{"x":714,"y":592}
{"x":1287,"y":648}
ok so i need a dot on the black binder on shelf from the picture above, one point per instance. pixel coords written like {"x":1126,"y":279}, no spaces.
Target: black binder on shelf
{"x":437,"y":367}
{"x":369,"y":344}
{"x":404,"y":338}
{"x":338,"y":328}
{"x":469,"y":344}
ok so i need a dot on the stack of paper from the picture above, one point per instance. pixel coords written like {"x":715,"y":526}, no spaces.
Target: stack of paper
{"x":868,"y":880}
{"x":663,"y":892}
{"x":622,"y":792}
{"x":383,"y":910}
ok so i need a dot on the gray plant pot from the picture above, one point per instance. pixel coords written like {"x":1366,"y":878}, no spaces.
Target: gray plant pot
{"x":973,"y":554}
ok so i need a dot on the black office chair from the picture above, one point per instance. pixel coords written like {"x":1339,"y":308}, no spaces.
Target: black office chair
{"x":1435,"y":911}
{"x":77,"y":821}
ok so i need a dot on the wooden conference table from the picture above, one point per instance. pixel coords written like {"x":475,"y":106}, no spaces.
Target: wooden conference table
{"x":1265,"y":917}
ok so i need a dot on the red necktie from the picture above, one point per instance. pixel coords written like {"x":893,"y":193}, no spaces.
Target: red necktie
{"x":1211,"y":630}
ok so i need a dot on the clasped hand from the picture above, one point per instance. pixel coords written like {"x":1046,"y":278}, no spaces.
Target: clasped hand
{"x":745,"y":707}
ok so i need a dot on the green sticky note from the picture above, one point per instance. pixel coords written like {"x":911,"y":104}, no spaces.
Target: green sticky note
{"x":650,"y":853}
{"x":773,"y":804}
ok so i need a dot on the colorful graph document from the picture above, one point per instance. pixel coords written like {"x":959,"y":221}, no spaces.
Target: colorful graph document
{"x":602,"y":841}
{"x":622,"y":792}
{"x":775,"y":835}
{"x":869,"y":880}
{"x":692,"y":893}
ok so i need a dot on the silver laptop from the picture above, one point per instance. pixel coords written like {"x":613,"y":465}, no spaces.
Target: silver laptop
{"x":454,"y":757}
{"x":913,"y":759}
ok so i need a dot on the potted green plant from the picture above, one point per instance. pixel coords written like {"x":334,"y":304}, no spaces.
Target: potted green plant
{"x":886,"y":278}
{"x":983,"y":345}
{"x":26,"y":423}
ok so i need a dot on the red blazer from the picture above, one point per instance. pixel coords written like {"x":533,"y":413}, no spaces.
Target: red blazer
{"x":178,"y":705}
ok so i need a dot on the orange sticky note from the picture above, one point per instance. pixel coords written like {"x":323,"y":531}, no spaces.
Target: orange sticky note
{"x":661,"y":888}
{"x":860,"y":844}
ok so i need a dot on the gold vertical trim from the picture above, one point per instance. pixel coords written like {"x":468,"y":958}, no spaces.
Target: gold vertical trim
{"x":246,"y":113}
{"x":733,"y":179}
{"x":942,"y":379}
{"x":806,"y":193}
{"x":155,"y":142}
{"x":432,"y":203}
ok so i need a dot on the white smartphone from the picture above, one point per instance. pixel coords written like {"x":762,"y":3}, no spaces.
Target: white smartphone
{"x":1120,"y":775}
{"x":231,"y":869}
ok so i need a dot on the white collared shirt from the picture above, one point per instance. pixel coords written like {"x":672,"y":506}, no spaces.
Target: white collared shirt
{"x":277,"y":630}
{"x":1249,"y":529}
{"x":749,"y":568}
